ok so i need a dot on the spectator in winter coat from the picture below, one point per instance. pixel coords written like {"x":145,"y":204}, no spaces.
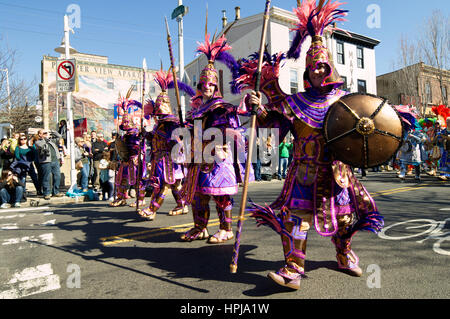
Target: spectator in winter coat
{"x":49,"y":159}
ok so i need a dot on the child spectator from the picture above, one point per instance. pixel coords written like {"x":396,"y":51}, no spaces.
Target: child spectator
{"x":106,"y":177}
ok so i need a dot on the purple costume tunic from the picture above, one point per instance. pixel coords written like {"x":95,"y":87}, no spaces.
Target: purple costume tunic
{"x":164,"y":170}
{"x":315,"y":182}
{"x":221,"y":177}
{"x":128,"y":169}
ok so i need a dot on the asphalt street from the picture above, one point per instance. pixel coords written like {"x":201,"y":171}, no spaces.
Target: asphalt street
{"x":89,"y":250}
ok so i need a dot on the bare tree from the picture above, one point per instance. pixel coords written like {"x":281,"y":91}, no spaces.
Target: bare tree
{"x":434,"y":43}
{"x":14,"y":106}
{"x":405,"y":79}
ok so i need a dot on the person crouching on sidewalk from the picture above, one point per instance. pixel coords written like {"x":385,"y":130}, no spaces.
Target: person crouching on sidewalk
{"x":11,"y":189}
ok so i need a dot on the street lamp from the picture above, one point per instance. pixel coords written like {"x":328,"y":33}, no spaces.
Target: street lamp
{"x":7,"y":88}
{"x":62,"y":48}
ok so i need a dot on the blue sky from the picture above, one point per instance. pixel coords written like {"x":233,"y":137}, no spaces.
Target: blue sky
{"x":128,"y":31}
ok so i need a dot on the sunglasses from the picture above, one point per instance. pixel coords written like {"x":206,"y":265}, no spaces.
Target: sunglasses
{"x":23,"y":138}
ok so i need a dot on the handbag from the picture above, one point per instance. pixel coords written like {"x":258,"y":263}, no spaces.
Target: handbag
{"x":79,"y":165}
{"x":435,"y":153}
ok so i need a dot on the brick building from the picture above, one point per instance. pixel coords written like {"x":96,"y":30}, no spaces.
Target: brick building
{"x":418,"y":84}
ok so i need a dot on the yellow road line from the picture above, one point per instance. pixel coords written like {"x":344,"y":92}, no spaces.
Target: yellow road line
{"x":124,"y":238}
{"x":398,"y":190}
{"x":112,"y":240}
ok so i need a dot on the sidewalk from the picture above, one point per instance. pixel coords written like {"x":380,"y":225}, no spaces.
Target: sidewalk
{"x":34,"y":200}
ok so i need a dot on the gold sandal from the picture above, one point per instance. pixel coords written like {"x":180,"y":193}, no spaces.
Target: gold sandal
{"x":141,"y":203}
{"x":118,"y":202}
{"x":195,"y":234}
{"x":147,"y":214}
{"x":221,"y":236}
{"x":179,"y":211}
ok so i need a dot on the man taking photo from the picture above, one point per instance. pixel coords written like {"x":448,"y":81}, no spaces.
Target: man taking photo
{"x":49,"y":159}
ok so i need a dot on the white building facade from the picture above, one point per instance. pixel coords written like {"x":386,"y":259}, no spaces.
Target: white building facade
{"x":353,"y":54}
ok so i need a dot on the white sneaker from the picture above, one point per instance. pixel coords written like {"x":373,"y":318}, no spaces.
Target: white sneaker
{"x":5,"y":205}
{"x":17,"y":205}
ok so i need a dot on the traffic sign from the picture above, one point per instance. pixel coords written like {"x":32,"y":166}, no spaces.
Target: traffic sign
{"x":65,"y":75}
{"x":180,"y":10}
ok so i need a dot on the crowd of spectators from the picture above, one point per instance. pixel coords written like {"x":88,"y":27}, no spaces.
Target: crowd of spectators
{"x":40,"y":157}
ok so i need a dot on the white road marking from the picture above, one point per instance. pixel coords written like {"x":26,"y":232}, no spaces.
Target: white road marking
{"x":25,"y":215}
{"x":46,"y":239}
{"x":30,"y":281}
{"x":9,"y":226}
{"x":25,"y":209}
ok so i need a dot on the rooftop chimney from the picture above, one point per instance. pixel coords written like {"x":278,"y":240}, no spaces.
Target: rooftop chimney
{"x":238,"y":13}
{"x":224,"y":19}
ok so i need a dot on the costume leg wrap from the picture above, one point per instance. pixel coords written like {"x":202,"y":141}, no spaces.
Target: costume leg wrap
{"x":342,"y":241}
{"x":141,"y":191}
{"x":200,"y":210}
{"x":176,"y":192}
{"x":121,"y":191}
{"x":158,"y":198}
{"x":294,"y":238}
{"x":224,"y":205}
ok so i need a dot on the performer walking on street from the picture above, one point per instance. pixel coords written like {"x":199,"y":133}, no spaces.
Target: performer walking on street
{"x":128,"y":149}
{"x":166,"y":172}
{"x":220,"y":179}
{"x":318,"y":189}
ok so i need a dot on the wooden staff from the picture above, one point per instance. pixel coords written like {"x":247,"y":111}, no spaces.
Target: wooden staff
{"x":172,"y":66}
{"x":139,"y":172}
{"x":234,"y":259}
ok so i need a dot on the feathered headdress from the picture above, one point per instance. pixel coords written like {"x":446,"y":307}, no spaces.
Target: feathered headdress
{"x":161,"y":106}
{"x":442,"y":113}
{"x":215,"y":50}
{"x":270,"y":72}
{"x":313,"y":20}
{"x":125,"y":106}
{"x":408,"y":114}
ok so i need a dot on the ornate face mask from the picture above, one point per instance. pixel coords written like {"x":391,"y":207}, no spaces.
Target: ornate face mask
{"x":209,"y":75}
{"x":162,"y":104}
{"x":316,"y":55}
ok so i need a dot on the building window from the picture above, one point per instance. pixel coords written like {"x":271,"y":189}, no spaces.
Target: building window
{"x":135,"y":85}
{"x":221,"y":81}
{"x":362,"y":88}
{"x":291,"y":37}
{"x":110,"y":83}
{"x":340,"y":52}
{"x":428,"y":92}
{"x":444,"y":94}
{"x":293,"y":81}
{"x":152,"y":88}
{"x":194,"y":80}
{"x":360,"y":57}
{"x":344,"y":85}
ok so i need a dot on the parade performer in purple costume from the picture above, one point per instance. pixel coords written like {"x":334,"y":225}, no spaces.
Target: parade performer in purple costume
{"x":220,"y":179}
{"x":128,"y":149}
{"x":166,"y":172}
{"x":318,"y":189}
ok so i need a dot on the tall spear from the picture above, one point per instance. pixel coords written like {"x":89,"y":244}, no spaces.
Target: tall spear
{"x":139,"y":172}
{"x":234,"y":259}
{"x":172,"y":66}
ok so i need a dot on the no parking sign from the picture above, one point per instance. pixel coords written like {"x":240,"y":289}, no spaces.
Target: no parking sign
{"x":65,"y":75}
